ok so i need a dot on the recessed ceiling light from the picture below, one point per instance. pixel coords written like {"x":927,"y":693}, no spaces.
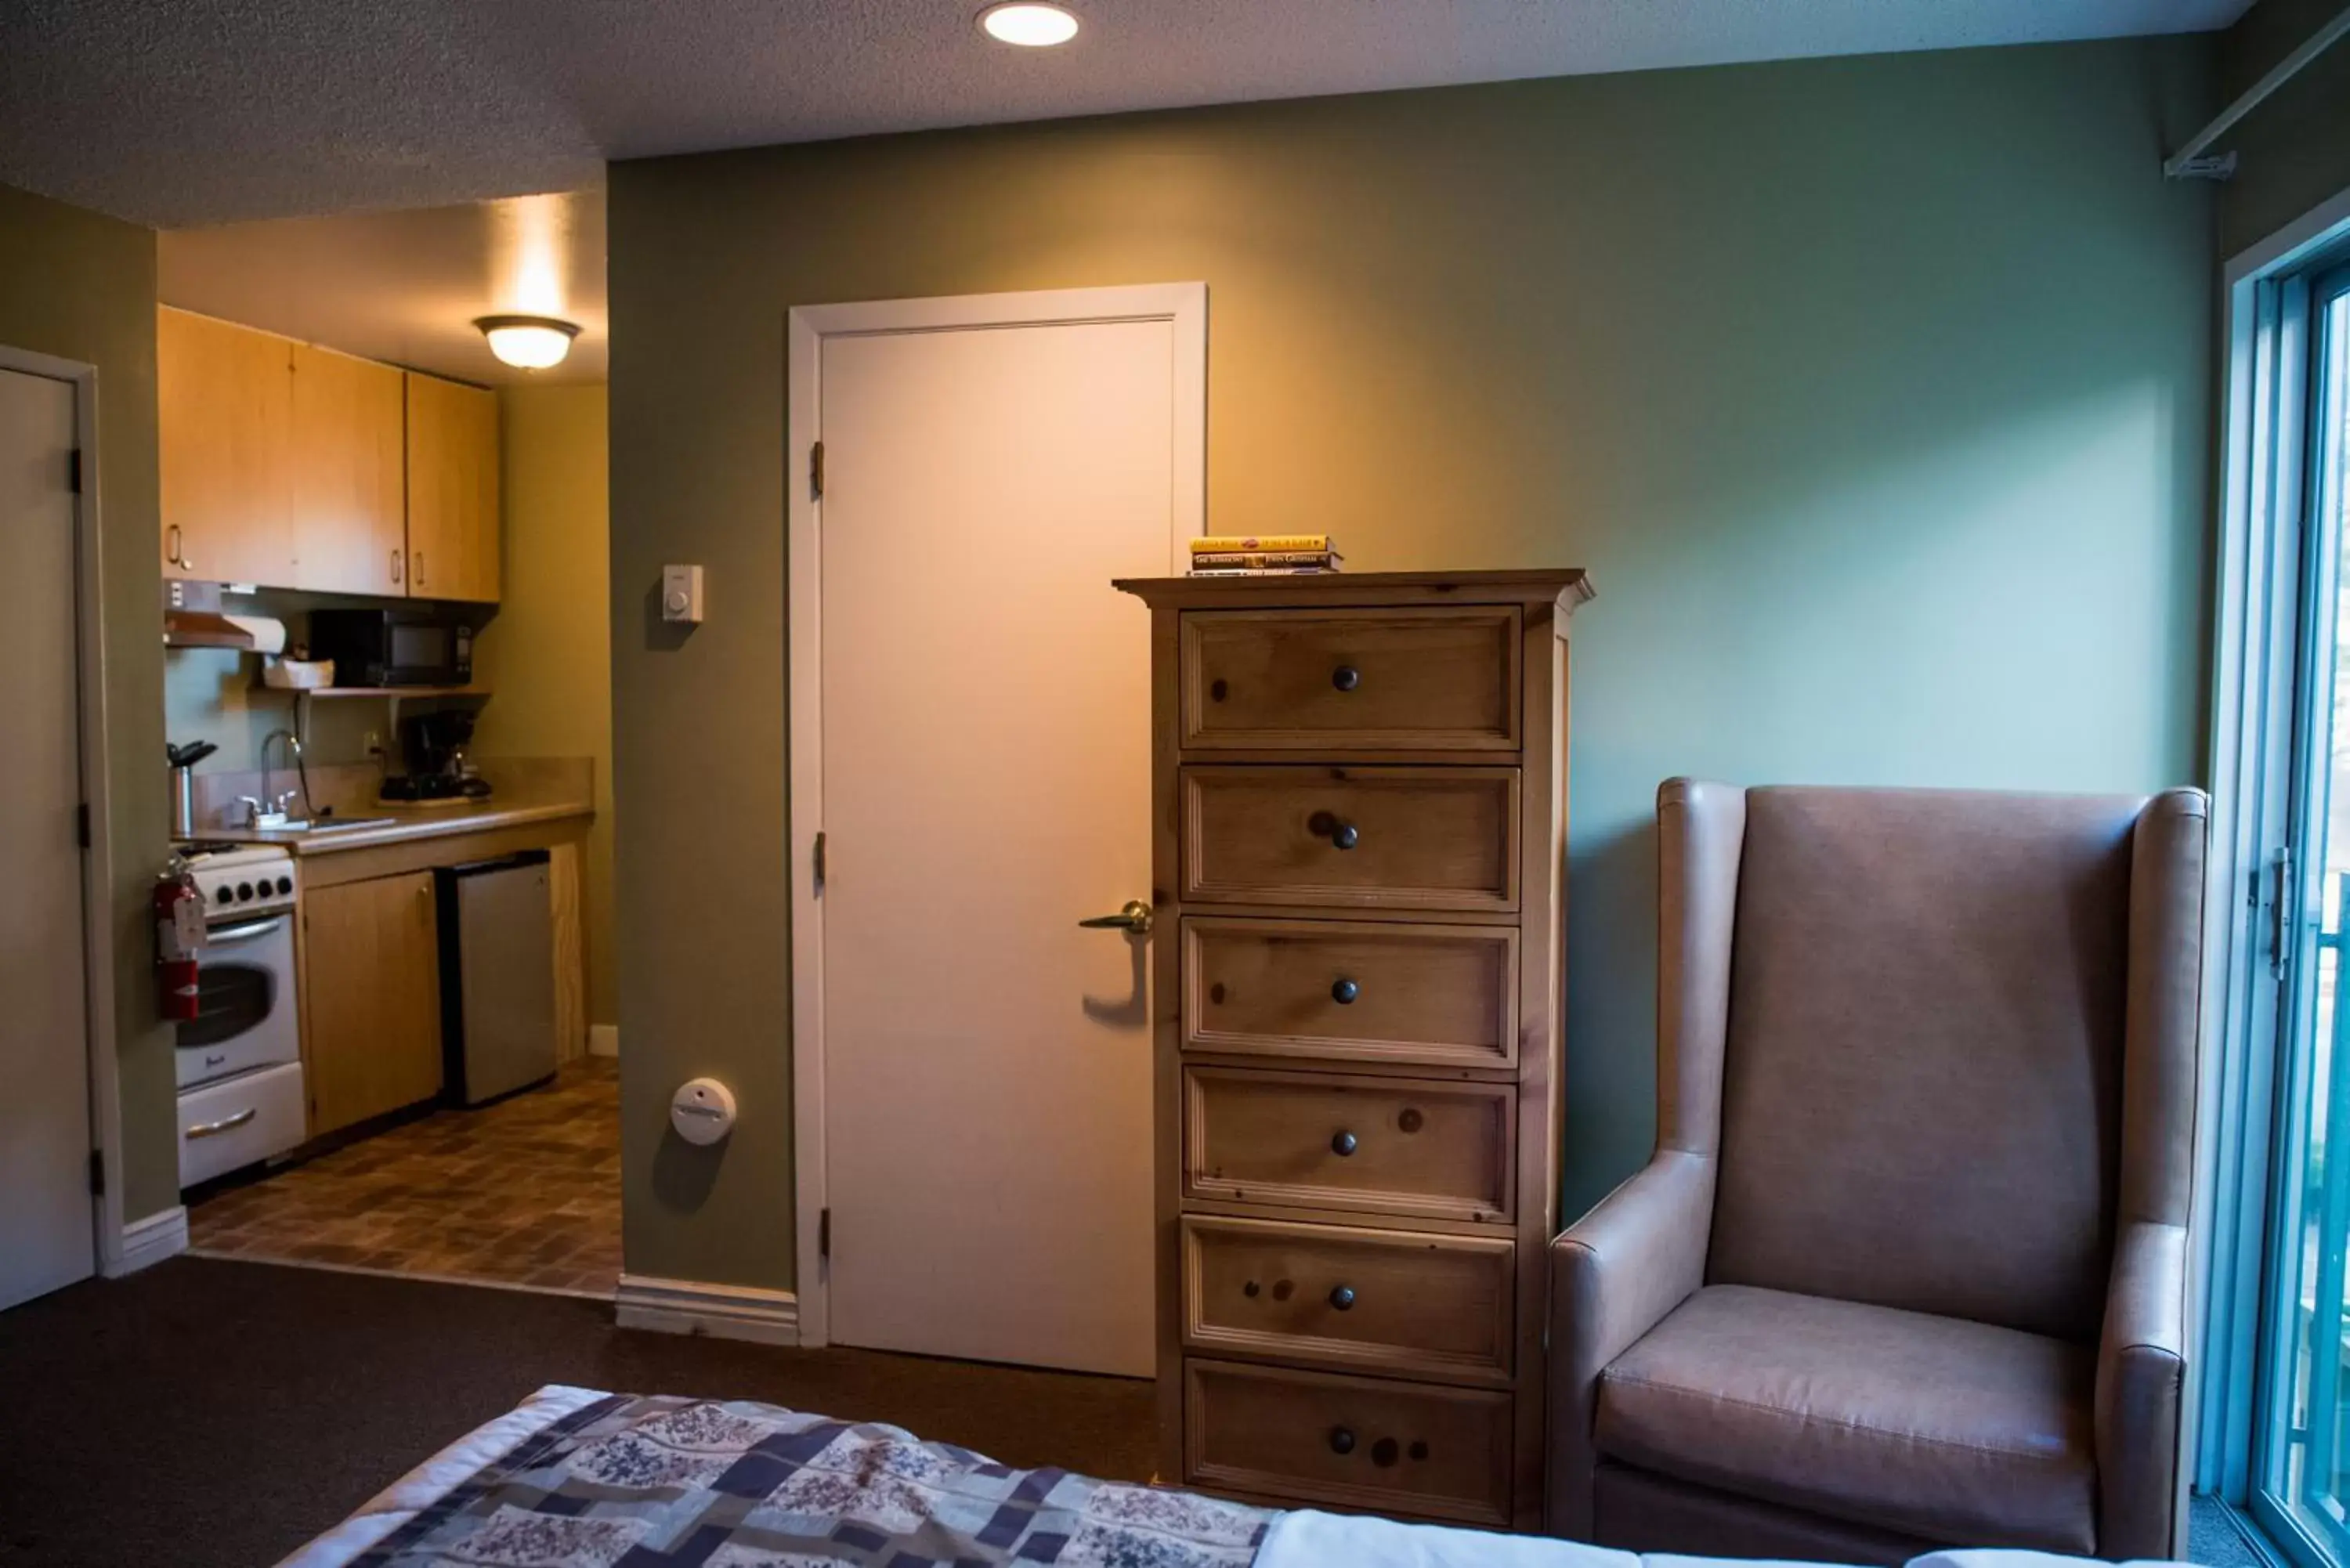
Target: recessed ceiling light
{"x":528,"y":342}
{"x":1029,"y":24}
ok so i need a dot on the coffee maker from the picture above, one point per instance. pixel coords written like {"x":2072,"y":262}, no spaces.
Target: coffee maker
{"x":433,"y":745}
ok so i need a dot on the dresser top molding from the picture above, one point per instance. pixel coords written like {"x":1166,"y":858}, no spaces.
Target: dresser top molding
{"x":1563,"y":587}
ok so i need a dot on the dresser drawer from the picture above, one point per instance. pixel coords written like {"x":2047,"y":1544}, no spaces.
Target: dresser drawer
{"x":1365,"y":992}
{"x":1332,"y":681}
{"x":1401,"y":838}
{"x":1358,"y":1442}
{"x":1380,"y":1146}
{"x":1379,"y":1301}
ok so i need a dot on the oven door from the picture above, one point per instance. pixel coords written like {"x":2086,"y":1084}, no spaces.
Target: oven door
{"x":244,"y":1001}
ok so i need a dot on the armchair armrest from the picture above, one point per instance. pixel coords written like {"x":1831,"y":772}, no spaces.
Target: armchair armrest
{"x":1614,"y":1276}
{"x":2141,"y":1379}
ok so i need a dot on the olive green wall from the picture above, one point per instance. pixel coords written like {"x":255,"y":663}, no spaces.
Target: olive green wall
{"x":82,"y":286}
{"x":2293,"y":151}
{"x":1875,"y":393}
{"x":548,"y":654}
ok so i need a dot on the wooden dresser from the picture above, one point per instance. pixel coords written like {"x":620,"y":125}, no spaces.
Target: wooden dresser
{"x":1359,"y":812}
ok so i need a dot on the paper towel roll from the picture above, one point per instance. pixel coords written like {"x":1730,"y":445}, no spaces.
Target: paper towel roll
{"x":268,"y":633}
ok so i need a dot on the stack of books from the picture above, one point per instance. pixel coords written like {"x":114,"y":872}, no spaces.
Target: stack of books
{"x":1262,"y":555}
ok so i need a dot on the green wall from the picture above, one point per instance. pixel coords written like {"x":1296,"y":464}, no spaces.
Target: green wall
{"x":82,"y":287}
{"x":1875,"y":393}
{"x":2293,"y":151}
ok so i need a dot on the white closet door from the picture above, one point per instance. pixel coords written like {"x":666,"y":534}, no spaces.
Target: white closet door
{"x":46,"y":1222}
{"x":986,"y":785}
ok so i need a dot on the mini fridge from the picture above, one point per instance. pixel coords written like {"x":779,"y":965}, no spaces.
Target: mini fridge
{"x":497,"y":976}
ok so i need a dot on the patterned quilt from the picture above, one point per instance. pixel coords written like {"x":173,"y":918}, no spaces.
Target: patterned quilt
{"x":639,"y":1483}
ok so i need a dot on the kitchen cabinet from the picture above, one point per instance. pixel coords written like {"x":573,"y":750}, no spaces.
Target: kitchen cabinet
{"x":453,"y":490}
{"x":225,"y":398}
{"x":371,"y":998}
{"x":291,"y":466}
{"x":349,"y":465}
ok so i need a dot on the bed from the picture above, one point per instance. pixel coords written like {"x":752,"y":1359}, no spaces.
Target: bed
{"x":575,"y":1478}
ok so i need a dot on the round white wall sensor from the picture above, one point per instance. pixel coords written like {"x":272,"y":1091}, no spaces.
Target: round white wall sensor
{"x":702,"y":1111}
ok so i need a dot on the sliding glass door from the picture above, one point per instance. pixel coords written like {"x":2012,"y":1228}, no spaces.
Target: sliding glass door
{"x":2301,"y":1490}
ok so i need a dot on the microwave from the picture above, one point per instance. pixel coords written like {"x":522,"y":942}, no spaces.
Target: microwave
{"x":409,"y":645}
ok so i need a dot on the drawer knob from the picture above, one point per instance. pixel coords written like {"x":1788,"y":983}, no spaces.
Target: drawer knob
{"x":1345,"y":677}
{"x":1342,"y":1440}
{"x":1383,"y":1452}
{"x":1344,"y":836}
{"x":1343,"y":1297}
{"x":1344,"y":991}
{"x":1342,"y":1144}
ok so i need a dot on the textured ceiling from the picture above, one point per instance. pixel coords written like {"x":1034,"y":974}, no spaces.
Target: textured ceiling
{"x":405,"y":287}
{"x":204,"y":111}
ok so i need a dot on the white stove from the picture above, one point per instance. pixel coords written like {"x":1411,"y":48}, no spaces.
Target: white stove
{"x":240,"y":879}
{"x":240,"y":1058}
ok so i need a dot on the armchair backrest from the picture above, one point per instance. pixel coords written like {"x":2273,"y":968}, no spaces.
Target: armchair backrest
{"x":1933,"y":1001}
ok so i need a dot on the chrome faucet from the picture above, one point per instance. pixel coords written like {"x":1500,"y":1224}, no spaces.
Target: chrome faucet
{"x":293,"y":750}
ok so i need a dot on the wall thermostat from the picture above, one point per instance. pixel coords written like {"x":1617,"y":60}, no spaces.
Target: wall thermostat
{"x":681,"y":593}
{"x":702,"y":1111}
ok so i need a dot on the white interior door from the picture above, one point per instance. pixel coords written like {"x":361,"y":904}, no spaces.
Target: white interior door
{"x":986,"y":784}
{"x":46,"y":1222}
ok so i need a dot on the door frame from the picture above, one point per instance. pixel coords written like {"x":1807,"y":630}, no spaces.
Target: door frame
{"x":98,"y":1042}
{"x":1184,"y":306}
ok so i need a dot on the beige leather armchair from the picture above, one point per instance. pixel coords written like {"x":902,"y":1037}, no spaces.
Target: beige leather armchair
{"x":1909,"y":1267}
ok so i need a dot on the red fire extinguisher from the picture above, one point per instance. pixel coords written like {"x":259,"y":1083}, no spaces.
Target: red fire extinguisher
{"x":179,"y":938}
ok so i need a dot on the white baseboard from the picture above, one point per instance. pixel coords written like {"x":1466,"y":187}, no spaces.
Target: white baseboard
{"x":603,"y":1040}
{"x":146,"y":1243}
{"x":722,"y":1311}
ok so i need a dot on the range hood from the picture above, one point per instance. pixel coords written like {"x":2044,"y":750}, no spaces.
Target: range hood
{"x":193,"y":617}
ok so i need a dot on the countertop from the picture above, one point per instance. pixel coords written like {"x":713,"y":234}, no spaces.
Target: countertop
{"x":413,"y":823}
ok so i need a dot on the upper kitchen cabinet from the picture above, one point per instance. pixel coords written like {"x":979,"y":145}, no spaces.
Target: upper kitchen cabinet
{"x":225,"y":406}
{"x":453,"y":490}
{"x":349,"y":466}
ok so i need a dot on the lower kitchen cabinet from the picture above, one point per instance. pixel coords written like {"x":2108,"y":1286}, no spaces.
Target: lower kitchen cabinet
{"x":371,"y":993}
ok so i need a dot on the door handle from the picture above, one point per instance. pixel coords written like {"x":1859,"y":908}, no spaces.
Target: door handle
{"x":1135,"y":919}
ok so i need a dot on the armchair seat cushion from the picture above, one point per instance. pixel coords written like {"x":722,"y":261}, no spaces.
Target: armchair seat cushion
{"x":1937,"y":1428}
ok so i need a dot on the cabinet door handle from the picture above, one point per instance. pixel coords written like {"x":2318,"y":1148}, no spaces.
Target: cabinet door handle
{"x":395,"y":565}
{"x":420,"y":568}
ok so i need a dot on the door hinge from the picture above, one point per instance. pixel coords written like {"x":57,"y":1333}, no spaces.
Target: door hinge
{"x":73,"y":471}
{"x":816,"y":470}
{"x":98,"y":1173}
{"x":819,"y":862}
{"x":81,"y":824}
{"x":824,"y":1235}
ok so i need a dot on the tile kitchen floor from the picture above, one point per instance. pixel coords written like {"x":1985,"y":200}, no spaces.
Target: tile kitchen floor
{"x":525,"y":1192}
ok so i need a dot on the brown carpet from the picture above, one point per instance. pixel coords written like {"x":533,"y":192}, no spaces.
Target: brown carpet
{"x":209,"y":1412}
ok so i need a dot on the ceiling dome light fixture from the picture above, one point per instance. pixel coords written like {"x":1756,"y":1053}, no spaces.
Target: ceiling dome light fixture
{"x":528,"y":342}
{"x":1029,"y":24}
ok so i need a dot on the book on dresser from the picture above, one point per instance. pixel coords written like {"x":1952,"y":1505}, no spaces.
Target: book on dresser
{"x":1359,"y":807}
